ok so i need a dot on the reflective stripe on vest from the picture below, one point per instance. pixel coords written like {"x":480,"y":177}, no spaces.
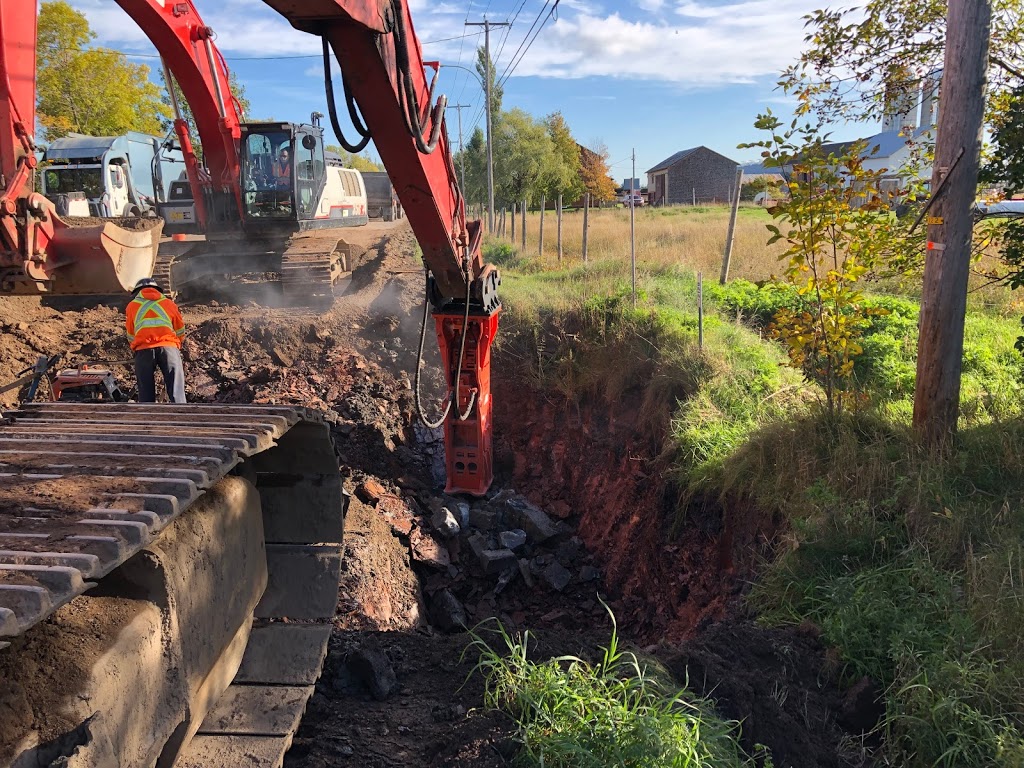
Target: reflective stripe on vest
{"x":160,"y":319}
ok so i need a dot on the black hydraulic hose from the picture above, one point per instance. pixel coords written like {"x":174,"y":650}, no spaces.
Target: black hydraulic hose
{"x":333,"y":111}
{"x":454,"y":395}
{"x":406,"y":90}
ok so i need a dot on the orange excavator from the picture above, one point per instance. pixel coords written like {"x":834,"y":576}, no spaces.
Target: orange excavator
{"x":389,"y":98}
{"x":169,"y":573}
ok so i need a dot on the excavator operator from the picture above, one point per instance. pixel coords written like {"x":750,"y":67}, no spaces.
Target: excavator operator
{"x":282,"y":169}
{"x":155,"y":330}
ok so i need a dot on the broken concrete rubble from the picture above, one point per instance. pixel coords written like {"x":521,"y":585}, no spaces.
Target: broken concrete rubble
{"x":514,"y":539}
{"x":531,"y":519}
{"x":373,"y":669}
{"x":444,"y":522}
{"x":427,"y":550}
{"x":446,"y":612}
{"x":495,"y":561}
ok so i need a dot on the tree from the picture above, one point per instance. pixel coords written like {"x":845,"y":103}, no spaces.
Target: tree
{"x":89,"y":90}
{"x":862,"y":59}
{"x":529,"y":163}
{"x":476,"y":167}
{"x":565,"y":172}
{"x":497,"y":90}
{"x":837,"y":230}
{"x":361,"y":162}
{"x":237,"y":91}
{"x":595,"y":173}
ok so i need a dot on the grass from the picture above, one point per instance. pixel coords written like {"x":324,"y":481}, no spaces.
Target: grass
{"x":911,"y":564}
{"x":689,"y":236}
{"x":616,"y":712}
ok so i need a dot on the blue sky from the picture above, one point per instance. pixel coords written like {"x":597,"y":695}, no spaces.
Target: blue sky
{"x":654,"y":75}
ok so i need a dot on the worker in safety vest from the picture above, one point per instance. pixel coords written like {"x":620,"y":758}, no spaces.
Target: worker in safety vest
{"x":155,"y":330}
{"x":282,"y":169}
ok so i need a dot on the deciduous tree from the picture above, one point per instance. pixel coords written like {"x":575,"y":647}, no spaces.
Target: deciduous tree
{"x":90,"y":90}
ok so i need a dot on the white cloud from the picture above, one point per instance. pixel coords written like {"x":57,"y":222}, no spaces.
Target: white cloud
{"x":687,"y":42}
{"x":714,"y":45}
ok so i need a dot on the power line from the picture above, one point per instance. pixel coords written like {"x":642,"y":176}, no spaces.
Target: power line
{"x":286,"y":57}
{"x":526,"y":37}
{"x":508,"y":31}
{"x":540,"y":29}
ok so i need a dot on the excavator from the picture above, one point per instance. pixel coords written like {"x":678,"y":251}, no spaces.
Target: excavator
{"x":169,"y":573}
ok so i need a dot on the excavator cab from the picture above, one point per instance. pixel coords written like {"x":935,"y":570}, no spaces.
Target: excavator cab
{"x":283,"y":173}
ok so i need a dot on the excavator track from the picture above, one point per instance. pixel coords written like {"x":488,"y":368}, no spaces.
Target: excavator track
{"x":214,"y":530}
{"x":312,"y":268}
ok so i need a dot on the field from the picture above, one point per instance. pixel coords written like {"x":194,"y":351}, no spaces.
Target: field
{"x":691,"y":237}
{"x":908,"y":564}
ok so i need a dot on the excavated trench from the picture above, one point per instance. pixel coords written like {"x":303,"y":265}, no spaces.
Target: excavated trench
{"x":583,"y":484}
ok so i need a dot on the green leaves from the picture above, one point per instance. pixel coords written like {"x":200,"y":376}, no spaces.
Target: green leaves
{"x":90,"y":90}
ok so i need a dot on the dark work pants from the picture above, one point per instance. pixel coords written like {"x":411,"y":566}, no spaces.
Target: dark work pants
{"x":168,"y":360}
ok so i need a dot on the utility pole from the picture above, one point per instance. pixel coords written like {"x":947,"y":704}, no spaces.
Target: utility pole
{"x":462,"y":154}
{"x":940,"y":343}
{"x":487,"y":96}
{"x":632,"y":228}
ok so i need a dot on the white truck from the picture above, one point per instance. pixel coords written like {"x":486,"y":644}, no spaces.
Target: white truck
{"x":110,"y":176}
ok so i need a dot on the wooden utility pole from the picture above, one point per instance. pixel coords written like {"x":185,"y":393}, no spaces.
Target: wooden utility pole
{"x":586,"y":223}
{"x":940,"y":344}
{"x":462,"y":153}
{"x":487,"y":108}
{"x":727,"y":259}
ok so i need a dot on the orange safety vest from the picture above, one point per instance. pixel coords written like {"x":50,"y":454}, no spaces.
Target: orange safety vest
{"x":153,"y":320}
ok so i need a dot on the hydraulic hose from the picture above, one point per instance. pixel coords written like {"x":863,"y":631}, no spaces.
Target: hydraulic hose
{"x":332,"y":109}
{"x":454,"y":394}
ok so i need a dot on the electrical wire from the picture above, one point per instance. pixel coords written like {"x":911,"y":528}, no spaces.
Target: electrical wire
{"x":540,"y":29}
{"x":525,"y":38}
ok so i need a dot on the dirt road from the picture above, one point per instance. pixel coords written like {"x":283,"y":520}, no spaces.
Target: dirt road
{"x":570,"y":519}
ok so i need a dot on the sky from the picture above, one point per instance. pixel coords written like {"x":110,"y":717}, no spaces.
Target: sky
{"x":654,"y":76}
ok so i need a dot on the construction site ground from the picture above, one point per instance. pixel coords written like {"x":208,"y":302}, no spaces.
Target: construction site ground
{"x":398,"y":688}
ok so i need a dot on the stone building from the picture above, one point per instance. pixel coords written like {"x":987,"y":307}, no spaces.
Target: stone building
{"x":692,"y":177}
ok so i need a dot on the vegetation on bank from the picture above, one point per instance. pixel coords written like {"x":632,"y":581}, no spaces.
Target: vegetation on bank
{"x":617,"y":711}
{"x":910,"y":563}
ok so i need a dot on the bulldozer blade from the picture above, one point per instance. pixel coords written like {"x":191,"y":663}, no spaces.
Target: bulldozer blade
{"x":97,"y":260}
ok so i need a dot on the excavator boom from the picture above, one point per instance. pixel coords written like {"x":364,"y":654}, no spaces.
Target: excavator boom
{"x":385,"y":76}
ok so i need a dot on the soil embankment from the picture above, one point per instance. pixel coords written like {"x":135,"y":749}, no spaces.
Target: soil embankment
{"x":580,"y":511}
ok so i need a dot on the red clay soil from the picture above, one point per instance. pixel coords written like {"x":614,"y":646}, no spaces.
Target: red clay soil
{"x":602,"y":473}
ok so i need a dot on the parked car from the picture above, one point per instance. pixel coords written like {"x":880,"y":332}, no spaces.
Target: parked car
{"x":638,"y":199}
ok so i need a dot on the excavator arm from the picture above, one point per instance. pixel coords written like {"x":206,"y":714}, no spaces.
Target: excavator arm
{"x":189,"y":54}
{"x":39,"y":252}
{"x":384,"y":76}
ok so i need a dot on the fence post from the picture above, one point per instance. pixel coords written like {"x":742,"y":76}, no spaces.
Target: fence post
{"x":730,"y":237}
{"x":700,"y":310}
{"x":586,"y":223}
{"x":694,"y":197}
{"x":558,"y":206}
{"x":524,"y":225}
{"x":540,"y":238}
{"x":514,"y":210}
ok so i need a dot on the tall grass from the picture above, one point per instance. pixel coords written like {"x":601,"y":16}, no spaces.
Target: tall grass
{"x":912,"y":564}
{"x":616,"y":712}
{"x":677,"y":236}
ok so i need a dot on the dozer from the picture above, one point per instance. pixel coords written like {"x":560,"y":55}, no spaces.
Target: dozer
{"x":169,"y":573}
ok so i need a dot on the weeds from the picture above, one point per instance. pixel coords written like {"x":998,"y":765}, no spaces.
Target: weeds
{"x":911,"y":564}
{"x":616,"y":712}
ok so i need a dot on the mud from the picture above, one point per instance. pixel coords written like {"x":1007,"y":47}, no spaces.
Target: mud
{"x":675,"y":588}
